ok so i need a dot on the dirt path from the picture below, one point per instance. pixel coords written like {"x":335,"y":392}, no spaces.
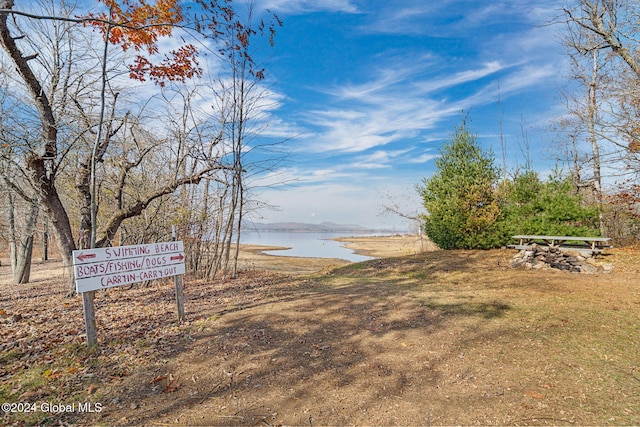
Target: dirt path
{"x":445,"y":337}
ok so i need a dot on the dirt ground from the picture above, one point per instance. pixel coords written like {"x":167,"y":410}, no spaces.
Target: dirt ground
{"x":433,"y":338}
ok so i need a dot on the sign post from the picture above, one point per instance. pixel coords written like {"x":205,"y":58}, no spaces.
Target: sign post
{"x":105,"y":268}
{"x":89,"y":317}
{"x":178,"y":283}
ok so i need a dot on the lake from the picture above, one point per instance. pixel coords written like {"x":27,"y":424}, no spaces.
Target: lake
{"x":310,"y":245}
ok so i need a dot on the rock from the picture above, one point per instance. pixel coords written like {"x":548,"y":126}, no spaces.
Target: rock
{"x":588,"y":268}
{"x":544,"y":257}
{"x":592,"y":261}
{"x":517,"y":263}
{"x":558,"y":266}
{"x":572,"y":253}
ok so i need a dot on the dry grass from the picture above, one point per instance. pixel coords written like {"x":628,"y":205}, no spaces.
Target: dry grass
{"x":446,"y":337}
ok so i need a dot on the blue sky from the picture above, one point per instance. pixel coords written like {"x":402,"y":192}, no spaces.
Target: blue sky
{"x":363,"y":93}
{"x":369,"y":90}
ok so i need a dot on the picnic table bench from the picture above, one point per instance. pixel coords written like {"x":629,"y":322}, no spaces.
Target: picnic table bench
{"x":592,"y":244}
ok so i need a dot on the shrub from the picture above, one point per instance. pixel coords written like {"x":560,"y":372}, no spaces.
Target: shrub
{"x":468,"y":209}
{"x":552,"y":207}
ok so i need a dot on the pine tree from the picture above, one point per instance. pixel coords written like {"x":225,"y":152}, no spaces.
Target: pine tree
{"x":460,"y":199}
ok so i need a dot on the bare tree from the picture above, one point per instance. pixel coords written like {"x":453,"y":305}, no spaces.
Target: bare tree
{"x":21,"y":206}
{"x":611,"y":24}
{"x":608,"y":30}
{"x":39,"y":162}
{"x":58,"y":88}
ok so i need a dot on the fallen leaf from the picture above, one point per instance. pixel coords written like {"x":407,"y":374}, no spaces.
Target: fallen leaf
{"x":92,"y":388}
{"x":534,"y":395}
{"x":171,"y":387}
{"x":158,"y":379}
{"x":52,"y":373}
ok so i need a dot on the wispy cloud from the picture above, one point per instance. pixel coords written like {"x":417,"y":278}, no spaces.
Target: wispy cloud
{"x":444,"y":18}
{"x":292,"y":7}
{"x":460,"y":77}
{"x":291,"y":177}
{"x":424,"y":158}
{"x":380,"y":159}
{"x":389,"y":108}
{"x":520,"y":80}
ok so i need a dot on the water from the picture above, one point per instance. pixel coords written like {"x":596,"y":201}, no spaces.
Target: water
{"x":311,"y":245}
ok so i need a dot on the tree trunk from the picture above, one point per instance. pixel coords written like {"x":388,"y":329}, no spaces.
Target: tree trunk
{"x":21,"y":242}
{"x":593,"y":139}
{"x":22,"y":273}
{"x":45,"y":240}
{"x":13,"y":250}
{"x":54,"y":210}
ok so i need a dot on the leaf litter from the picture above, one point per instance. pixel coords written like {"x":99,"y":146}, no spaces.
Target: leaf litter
{"x":437,"y":338}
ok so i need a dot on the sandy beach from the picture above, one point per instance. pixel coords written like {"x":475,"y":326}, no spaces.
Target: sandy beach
{"x":252,"y":257}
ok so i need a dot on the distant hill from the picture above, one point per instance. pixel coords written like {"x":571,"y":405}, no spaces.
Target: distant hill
{"x":298,"y":227}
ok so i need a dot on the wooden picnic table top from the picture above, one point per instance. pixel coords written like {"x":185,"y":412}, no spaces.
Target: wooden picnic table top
{"x":564,"y":238}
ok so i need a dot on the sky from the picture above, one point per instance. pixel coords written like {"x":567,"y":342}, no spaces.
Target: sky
{"x":362,"y":94}
{"x":368,"y":91}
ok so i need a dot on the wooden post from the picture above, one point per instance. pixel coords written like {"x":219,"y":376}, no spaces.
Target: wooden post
{"x":179,"y":297}
{"x":45,"y":240}
{"x":89,"y":317}
{"x":178,"y":282}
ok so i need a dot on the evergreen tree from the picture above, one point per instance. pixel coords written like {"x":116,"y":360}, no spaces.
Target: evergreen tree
{"x":467,"y":209}
{"x":552,"y":207}
{"x":460,"y":199}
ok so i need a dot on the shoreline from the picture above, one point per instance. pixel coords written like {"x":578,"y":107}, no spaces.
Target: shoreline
{"x":252,"y":257}
{"x":388,"y":246}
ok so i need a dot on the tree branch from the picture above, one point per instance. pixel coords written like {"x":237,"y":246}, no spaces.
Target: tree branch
{"x":113,"y":224}
{"x":49,"y":131}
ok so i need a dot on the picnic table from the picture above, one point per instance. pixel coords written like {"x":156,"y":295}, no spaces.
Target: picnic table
{"x":593,"y":244}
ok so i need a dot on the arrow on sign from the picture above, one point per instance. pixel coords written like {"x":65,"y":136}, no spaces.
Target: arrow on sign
{"x":82,"y":257}
{"x":178,"y":257}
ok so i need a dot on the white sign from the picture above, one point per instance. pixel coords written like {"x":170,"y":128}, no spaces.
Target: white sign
{"x":108,"y":267}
